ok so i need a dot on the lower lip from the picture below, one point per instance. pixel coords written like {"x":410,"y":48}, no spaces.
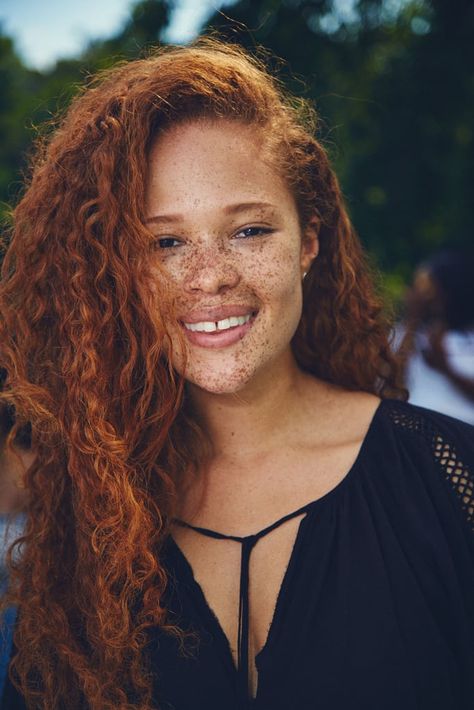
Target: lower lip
{"x":219,"y":338}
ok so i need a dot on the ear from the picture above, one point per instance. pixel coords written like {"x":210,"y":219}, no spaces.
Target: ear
{"x":309,"y":244}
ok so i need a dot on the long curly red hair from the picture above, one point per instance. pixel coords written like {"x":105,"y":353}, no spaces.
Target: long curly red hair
{"x":85,"y":348}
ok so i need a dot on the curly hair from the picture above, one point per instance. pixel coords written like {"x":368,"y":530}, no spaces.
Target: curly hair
{"x":86,"y":352}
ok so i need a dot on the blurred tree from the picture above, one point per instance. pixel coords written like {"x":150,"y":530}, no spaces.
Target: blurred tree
{"x":31,"y":100}
{"x":19,"y":87}
{"x":148,"y":21}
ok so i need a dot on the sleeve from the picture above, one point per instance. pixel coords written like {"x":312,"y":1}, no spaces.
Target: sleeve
{"x":452,"y":443}
{"x":449,"y":449}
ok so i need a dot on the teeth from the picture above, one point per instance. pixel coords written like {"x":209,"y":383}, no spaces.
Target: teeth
{"x":211,"y":326}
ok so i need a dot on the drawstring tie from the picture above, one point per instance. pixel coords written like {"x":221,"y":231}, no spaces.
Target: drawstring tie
{"x":247,"y":545}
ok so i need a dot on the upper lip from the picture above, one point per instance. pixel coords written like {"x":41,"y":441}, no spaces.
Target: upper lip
{"x":216,"y":314}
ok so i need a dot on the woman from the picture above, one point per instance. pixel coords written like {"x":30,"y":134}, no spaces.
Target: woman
{"x":227,"y":510}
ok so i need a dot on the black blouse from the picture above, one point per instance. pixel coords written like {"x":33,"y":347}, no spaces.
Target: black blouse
{"x":376,"y":608}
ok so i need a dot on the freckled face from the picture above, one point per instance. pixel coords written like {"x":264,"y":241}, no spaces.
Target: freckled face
{"x":228,"y":234}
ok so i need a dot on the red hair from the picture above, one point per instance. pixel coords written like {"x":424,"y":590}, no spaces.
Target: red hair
{"x":84,"y":346}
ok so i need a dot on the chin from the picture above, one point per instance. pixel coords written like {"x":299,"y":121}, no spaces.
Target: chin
{"x":215,"y":383}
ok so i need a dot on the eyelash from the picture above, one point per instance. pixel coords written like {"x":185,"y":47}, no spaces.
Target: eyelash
{"x":262,"y":231}
{"x":165,"y":243}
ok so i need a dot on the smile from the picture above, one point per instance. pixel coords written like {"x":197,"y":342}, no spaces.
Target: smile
{"x":212,"y":326}
{"x":218,"y":329}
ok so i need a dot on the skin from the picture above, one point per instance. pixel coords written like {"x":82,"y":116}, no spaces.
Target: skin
{"x":280,"y":437}
{"x":13,"y":464}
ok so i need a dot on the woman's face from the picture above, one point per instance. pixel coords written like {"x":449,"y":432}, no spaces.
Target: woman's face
{"x":228,"y":234}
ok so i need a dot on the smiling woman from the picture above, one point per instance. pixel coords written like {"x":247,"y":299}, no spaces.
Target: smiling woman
{"x":230,"y":504}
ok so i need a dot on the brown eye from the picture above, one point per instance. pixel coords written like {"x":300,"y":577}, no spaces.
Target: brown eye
{"x":167,"y":243}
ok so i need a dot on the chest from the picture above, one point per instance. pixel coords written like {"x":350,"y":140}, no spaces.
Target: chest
{"x":217,"y":569}
{"x":259,"y":501}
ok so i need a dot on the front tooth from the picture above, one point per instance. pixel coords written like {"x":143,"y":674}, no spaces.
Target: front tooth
{"x":224,"y":324}
{"x":209,"y":327}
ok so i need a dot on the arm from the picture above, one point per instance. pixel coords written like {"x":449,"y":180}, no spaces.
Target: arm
{"x":436,"y":357}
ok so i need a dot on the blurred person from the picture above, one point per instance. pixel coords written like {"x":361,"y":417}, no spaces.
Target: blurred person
{"x":231,"y":505}
{"x":14,"y":460}
{"x":437,"y":337}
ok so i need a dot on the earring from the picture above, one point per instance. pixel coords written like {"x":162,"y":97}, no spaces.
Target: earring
{"x":304,"y":274}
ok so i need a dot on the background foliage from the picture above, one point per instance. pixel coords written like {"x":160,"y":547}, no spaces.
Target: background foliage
{"x":393,"y":81}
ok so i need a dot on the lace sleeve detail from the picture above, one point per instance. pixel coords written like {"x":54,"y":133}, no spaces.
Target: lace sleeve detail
{"x":458,"y":472}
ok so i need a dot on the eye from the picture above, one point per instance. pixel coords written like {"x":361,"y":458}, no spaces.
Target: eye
{"x":167,"y":242}
{"x":250,"y":232}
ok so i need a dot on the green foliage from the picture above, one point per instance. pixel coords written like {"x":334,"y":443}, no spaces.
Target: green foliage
{"x":393,"y":82}
{"x":16,"y":106}
{"x":393,"y":85}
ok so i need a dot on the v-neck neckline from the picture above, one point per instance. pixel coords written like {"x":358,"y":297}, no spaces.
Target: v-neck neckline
{"x":215,"y":627}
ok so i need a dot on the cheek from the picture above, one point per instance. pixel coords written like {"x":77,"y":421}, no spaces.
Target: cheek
{"x":279,"y":276}
{"x":176,"y":267}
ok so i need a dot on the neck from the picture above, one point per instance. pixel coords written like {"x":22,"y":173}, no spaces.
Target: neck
{"x":257,"y":417}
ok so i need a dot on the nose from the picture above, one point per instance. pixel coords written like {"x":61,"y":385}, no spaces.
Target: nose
{"x":213,"y":271}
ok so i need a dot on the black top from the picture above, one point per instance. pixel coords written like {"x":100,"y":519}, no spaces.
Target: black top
{"x":376,"y":609}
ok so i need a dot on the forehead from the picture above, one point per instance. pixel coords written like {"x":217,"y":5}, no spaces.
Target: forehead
{"x":212,"y":161}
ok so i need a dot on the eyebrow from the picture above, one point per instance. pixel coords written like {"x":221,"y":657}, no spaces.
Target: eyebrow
{"x":230,"y":210}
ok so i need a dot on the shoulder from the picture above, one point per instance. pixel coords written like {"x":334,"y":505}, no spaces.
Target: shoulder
{"x":433,"y":447}
{"x":427,"y":424}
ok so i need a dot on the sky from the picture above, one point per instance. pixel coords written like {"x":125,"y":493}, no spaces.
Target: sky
{"x":47,"y":30}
